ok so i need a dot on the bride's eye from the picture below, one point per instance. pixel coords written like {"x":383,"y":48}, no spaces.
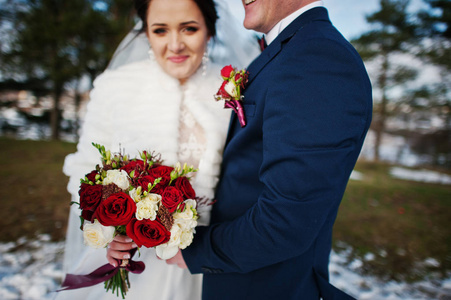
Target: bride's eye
{"x":159,"y":31}
{"x":191,"y":29}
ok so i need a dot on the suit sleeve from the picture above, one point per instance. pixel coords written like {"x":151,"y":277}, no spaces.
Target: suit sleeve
{"x":315,"y":117}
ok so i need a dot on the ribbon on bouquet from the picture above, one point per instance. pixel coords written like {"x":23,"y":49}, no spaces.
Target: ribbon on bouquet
{"x":237,"y":107}
{"x":102,"y":274}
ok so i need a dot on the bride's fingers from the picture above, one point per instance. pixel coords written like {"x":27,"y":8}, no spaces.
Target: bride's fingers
{"x":114,"y":245}
{"x":122,"y":239}
{"x":114,"y":255}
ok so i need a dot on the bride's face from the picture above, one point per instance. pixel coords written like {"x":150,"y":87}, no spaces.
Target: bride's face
{"x":178,"y":36}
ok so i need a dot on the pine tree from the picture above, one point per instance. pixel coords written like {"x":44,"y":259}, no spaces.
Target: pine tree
{"x":436,"y":33}
{"x":393,"y":34}
{"x":57,"y":42}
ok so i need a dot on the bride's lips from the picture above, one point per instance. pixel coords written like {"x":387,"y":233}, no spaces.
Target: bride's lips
{"x":178,"y":59}
{"x":247,"y":2}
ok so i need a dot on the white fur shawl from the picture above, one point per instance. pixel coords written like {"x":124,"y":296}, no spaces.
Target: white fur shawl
{"x":137,"y":107}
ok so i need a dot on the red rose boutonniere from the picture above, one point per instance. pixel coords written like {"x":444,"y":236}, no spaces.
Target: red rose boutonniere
{"x":230,"y":90}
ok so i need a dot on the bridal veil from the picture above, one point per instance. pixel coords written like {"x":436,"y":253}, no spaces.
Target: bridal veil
{"x":233,"y":44}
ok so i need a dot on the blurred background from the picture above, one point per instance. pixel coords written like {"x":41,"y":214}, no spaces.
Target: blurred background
{"x":392,"y":236}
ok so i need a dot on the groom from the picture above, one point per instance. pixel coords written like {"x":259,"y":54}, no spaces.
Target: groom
{"x":308,"y":107}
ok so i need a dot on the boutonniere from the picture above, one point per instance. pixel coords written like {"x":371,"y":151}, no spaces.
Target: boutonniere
{"x":230,"y":90}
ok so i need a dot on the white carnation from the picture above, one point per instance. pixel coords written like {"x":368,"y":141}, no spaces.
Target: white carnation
{"x":186,"y":239}
{"x":134,"y":195}
{"x":96,"y":235}
{"x":118,"y":177}
{"x":188,"y":218}
{"x":148,"y":206}
{"x":182,"y":231}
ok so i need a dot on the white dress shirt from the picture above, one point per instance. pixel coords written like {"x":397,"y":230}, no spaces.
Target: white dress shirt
{"x":274,"y":32}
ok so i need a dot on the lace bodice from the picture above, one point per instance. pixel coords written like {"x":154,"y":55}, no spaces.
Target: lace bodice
{"x":192,"y":140}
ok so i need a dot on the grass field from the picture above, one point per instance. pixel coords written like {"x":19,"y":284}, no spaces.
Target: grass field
{"x":33,"y":192}
{"x":400,"y":223}
{"x":403,"y":223}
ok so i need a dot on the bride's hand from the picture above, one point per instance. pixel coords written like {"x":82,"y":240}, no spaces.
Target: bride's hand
{"x":119,"y":249}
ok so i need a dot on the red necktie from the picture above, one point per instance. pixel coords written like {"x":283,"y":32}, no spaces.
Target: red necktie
{"x":262,"y":43}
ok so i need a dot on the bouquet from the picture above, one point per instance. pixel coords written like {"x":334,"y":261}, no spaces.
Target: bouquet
{"x":153,"y":204}
{"x":233,"y":82}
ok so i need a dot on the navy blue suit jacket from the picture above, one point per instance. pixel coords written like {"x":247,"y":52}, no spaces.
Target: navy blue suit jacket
{"x":308,"y":105}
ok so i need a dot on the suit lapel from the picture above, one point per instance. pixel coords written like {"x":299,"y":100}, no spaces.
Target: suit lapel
{"x":315,"y":14}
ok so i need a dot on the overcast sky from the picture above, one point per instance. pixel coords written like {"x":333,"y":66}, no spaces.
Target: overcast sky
{"x":347,"y":15}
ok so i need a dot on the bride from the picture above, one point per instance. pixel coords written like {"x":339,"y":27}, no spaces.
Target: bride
{"x":163,"y":103}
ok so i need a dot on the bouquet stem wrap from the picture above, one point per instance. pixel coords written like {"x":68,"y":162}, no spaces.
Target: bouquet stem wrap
{"x":102,"y":274}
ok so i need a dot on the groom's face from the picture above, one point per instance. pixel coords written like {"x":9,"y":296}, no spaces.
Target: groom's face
{"x":262,"y":15}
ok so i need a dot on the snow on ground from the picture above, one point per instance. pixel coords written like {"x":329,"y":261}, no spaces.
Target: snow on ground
{"x":420,"y":175}
{"x":393,"y":149}
{"x":356,"y":175}
{"x":32,"y":270}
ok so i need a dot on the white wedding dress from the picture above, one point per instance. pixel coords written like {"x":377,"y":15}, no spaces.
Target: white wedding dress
{"x":138,"y":107}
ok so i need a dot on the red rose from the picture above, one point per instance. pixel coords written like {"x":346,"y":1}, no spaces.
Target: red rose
{"x":226,"y":71}
{"x":92,"y":176}
{"x":171,"y":198}
{"x":137,"y":165}
{"x":183,"y":185}
{"x":147,"y":233}
{"x":145,"y":181}
{"x":117,"y":209}
{"x":88,"y":215}
{"x":162,"y":172}
{"x":90,"y":196}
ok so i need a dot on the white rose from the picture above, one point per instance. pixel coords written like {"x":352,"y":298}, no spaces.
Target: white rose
{"x":169,"y":249}
{"x":148,"y":206}
{"x":96,"y":235}
{"x":166,"y":252}
{"x":118,"y":177}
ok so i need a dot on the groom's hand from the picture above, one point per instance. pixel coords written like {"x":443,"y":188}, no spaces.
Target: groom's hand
{"x":177,"y":260}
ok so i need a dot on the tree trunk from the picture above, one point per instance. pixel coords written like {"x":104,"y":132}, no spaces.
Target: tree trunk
{"x":382,"y":114}
{"x":55,"y":116}
{"x":77,"y":111}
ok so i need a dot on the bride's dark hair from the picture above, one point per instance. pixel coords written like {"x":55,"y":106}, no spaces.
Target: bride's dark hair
{"x":207,"y":7}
